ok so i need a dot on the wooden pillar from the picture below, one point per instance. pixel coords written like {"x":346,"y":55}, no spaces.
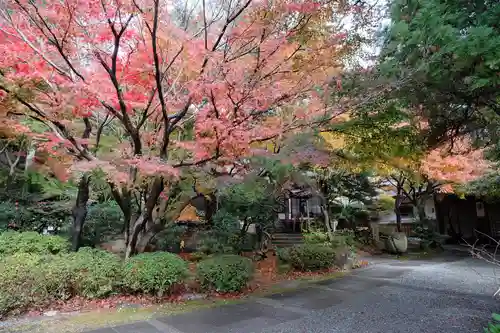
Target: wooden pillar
{"x":289,"y":208}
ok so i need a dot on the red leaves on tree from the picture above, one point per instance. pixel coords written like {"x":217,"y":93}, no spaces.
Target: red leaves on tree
{"x":171,"y":93}
{"x":459,"y":166}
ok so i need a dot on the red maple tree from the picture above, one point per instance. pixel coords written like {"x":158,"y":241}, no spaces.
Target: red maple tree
{"x":457,"y":166}
{"x":179,"y":85}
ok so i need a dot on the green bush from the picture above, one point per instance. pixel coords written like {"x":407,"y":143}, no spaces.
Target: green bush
{"x":216,"y":242}
{"x":154,"y":273}
{"x":20,"y":283}
{"x":12,"y":242}
{"x":33,"y":216}
{"x":283,"y":255}
{"x":94,"y":273}
{"x":9,"y":214}
{"x":311,"y":257}
{"x":494,"y":326}
{"x":225,"y":273}
{"x":316,"y":237}
{"x":103,"y":221}
{"x":344,"y":237}
{"x":170,"y":238}
{"x":429,"y":239}
{"x":28,"y":279}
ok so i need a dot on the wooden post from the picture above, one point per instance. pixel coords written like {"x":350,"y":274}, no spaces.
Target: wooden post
{"x":289,"y":208}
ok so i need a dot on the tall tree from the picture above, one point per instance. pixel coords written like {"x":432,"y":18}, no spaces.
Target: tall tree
{"x":444,"y":56}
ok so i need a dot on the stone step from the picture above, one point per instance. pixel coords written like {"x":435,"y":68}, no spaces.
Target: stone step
{"x":287,"y":236}
{"x":285,"y":245}
{"x":287,"y":239}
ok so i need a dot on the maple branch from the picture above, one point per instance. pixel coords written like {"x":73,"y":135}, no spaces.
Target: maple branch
{"x":112,"y":110}
{"x":145,"y":111}
{"x":158,"y":79}
{"x":51,"y":124}
{"x":200,"y":162}
{"x":176,"y":118}
{"x":87,"y":131}
{"x":397,"y":180}
{"x":229,"y":20}
{"x":35,"y":49}
{"x":54,"y":41}
{"x":212,"y":99}
{"x":124,"y":118}
{"x":99,"y":133}
{"x":205,"y":25}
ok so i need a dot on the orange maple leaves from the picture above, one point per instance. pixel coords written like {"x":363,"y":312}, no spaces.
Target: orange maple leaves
{"x":459,"y":166}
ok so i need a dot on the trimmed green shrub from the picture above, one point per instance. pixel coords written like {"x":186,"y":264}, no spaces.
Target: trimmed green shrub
{"x":12,"y":242}
{"x":429,"y":239}
{"x":28,"y":279}
{"x":9,"y":213}
{"x":154,"y":273}
{"x":94,"y":273}
{"x":20,"y":283}
{"x":225,"y":273}
{"x":33,"y":215}
{"x":311,"y":257}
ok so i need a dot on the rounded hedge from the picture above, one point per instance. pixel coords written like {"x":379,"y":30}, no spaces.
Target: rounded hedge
{"x":311,"y":257}
{"x":154,"y":273}
{"x":95,"y":273}
{"x":21,"y":283}
{"x":29,"y":280}
{"x":225,"y":273}
{"x":12,"y":242}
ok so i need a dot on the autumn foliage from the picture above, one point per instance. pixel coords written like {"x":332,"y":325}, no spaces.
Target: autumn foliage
{"x":459,"y":165}
{"x":177,"y":85}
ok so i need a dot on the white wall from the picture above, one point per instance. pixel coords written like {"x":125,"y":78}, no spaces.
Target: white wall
{"x":430,"y":212}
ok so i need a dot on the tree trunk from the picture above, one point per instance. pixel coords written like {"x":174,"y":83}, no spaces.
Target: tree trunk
{"x":133,"y":238}
{"x":144,"y":240}
{"x":398,"y":219}
{"x":210,"y":208}
{"x":79,"y":212}
{"x":421,"y":209}
{"x":397,"y":211}
{"x":328,"y":226}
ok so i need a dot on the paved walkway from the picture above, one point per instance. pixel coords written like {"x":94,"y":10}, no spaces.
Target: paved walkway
{"x":449,"y":295}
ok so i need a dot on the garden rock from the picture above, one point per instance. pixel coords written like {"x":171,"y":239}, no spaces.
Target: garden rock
{"x":397,"y":243}
{"x":344,"y":259}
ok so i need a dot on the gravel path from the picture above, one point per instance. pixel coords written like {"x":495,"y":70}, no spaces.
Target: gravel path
{"x":453,"y":296}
